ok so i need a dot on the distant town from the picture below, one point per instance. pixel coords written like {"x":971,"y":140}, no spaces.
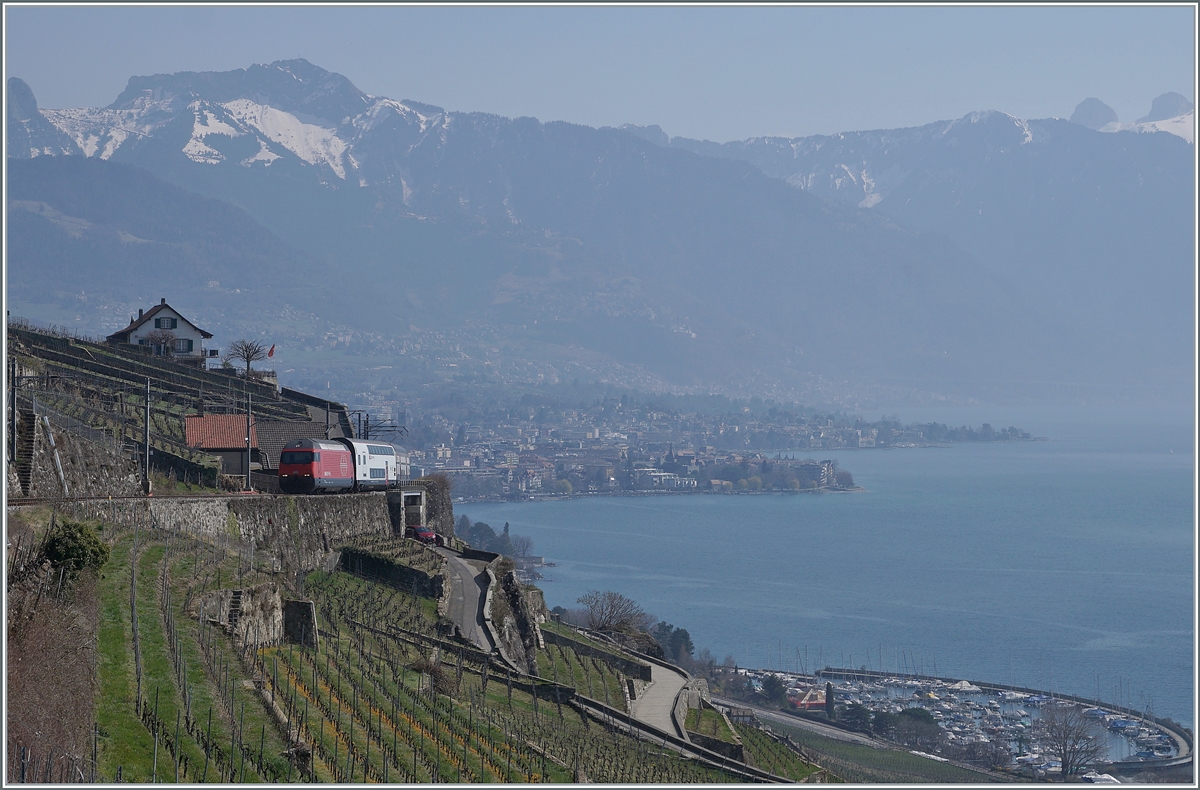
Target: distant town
{"x":619,"y":445}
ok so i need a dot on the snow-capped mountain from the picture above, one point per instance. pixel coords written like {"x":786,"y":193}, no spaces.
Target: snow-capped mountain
{"x":768,"y":257}
{"x":1180,"y":125}
{"x":1056,"y":205}
{"x":251,"y":118}
{"x":864,"y":168}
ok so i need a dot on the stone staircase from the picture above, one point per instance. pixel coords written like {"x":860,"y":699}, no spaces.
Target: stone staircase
{"x":235,"y":610}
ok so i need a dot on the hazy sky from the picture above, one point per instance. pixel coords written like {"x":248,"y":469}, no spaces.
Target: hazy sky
{"x":719,"y":73}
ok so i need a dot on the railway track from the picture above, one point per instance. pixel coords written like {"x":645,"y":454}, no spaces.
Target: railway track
{"x":54,"y":500}
{"x":28,"y":500}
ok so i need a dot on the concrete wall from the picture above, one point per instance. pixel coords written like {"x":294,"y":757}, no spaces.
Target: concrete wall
{"x":479,"y":554}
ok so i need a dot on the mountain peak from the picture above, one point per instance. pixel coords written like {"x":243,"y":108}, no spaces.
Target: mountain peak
{"x":1168,"y":105}
{"x":1093,"y":114}
{"x":22,"y":105}
{"x":29,"y":133}
{"x":652,"y":133}
{"x":295,"y":86}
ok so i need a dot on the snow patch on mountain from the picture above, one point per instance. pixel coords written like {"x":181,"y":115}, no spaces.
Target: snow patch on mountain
{"x":199,"y":152}
{"x":873,"y":196}
{"x":83,"y":126}
{"x":315,"y":144}
{"x":105,"y":130}
{"x":1025,"y":128}
{"x":206,"y":123}
{"x":1180,"y":126}
{"x":381,"y":109}
{"x":264,"y":155}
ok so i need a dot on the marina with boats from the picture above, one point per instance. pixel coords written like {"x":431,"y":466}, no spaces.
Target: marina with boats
{"x":985,"y":713}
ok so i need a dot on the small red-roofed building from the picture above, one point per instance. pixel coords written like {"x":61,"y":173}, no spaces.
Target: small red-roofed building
{"x":224,"y":435}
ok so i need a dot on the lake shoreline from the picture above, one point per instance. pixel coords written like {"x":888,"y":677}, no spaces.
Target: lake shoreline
{"x":624,"y":494}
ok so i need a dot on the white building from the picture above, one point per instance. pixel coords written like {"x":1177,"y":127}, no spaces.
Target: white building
{"x":163,"y":328}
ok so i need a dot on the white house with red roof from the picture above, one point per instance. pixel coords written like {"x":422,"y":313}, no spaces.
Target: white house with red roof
{"x":166,"y":330}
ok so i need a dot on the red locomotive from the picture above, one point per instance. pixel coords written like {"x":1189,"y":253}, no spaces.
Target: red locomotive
{"x":309,"y":466}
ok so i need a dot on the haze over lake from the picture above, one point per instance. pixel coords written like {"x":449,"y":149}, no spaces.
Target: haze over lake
{"x":1064,"y":565}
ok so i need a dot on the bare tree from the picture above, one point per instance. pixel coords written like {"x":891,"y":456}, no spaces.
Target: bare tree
{"x":246,"y":351}
{"x":611,"y":611}
{"x":1071,"y":737}
{"x":522,"y":545}
{"x":164,"y":338}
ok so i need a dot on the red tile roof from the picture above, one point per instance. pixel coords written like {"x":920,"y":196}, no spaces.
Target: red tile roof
{"x":219,"y":432}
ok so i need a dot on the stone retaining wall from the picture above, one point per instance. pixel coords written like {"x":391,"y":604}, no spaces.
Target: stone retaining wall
{"x":627,"y":666}
{"x":400,"y":576}
{"x":261,"y":618}
{"x":734,"y":751}
{"x":297,"y":532}
{"x":88,"y":469}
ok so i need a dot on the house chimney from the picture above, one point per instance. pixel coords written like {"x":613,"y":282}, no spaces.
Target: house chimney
{"x":139,"y":314}
{"x":163,"y":300}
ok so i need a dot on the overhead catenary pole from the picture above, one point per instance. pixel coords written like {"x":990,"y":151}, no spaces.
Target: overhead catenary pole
{"x":248,"y":410}
{"x":12,"y":409}
{"x":146,"y":444}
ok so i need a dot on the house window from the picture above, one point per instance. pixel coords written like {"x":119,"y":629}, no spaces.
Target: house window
{"x":183,"y":345}
{"x":166,"y":323}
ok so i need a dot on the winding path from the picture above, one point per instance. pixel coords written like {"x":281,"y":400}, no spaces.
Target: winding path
{"x":468,"y":589}
{"x":658,"y":699}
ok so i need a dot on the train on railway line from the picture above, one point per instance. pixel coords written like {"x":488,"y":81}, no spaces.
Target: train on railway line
{"x":316,"y":466}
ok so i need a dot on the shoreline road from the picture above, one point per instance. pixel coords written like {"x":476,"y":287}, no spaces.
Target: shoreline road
{"x":468,"y":589}
{"x":805,"y":724}
{"x":658,"y":699}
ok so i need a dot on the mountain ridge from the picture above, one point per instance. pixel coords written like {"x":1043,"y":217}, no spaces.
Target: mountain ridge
{"x":586,"y":232}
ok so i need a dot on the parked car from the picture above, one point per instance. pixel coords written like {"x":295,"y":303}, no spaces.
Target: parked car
{"x":423,"y":534}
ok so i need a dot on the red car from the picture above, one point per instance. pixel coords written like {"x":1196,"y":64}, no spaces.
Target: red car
{"x":423,"y":534}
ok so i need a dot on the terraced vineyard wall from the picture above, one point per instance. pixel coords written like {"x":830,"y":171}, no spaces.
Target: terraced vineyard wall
{"x":627,"y":666}
{"x":404,"y":577}
{"x":259,"y":616}
{"x":87,"y":469}
{"x":295,"y":533}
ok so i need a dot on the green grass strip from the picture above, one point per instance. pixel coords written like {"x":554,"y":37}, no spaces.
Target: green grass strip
{"x":124,"y":743}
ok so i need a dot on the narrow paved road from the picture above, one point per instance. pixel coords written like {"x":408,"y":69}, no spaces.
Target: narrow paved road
{"x":658,"y":699}
{"x":805,"y":724}
{"x":468,"y":586}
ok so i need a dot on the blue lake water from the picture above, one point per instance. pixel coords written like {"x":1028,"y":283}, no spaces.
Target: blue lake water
{"x":1065,"y":565}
